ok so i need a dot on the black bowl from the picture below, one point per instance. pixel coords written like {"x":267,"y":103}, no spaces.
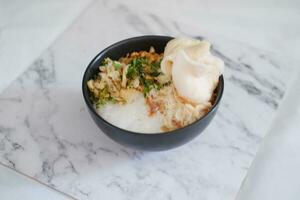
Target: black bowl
{"x":154,"y":141}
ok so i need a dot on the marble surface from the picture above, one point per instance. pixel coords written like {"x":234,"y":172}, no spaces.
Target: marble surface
{"x":27,"y":28}
{"x":46,"y":132}
{"x":266,"y":24}
{"x":275,"y":172}
{"x":15,"y":186}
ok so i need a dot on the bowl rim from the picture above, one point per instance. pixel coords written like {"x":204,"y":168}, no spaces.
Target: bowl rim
{"x":151,"y":134}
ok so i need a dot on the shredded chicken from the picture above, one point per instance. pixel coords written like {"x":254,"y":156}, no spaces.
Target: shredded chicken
{"x":176,"y":112}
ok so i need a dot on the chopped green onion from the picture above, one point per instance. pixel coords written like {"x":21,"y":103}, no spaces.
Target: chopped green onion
{"x":117,"y":65}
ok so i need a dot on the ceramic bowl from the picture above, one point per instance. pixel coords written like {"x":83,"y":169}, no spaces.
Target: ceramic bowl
{"x":142,"y":141}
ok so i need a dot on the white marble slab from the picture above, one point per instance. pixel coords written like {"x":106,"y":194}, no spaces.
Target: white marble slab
{"x":46,"y":132}
{"x":264,"y":24}
{"x":27,"y":28}
{"x":15,"y":186}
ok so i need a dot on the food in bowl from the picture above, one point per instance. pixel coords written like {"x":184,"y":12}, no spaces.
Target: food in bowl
{"x":150,"y":92}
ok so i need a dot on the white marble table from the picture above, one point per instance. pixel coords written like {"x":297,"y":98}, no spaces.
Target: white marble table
{"x":275,"y":171}
{"x":27,"y":28}
{"x":47,"y":134}
{"x":15,"y":186}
